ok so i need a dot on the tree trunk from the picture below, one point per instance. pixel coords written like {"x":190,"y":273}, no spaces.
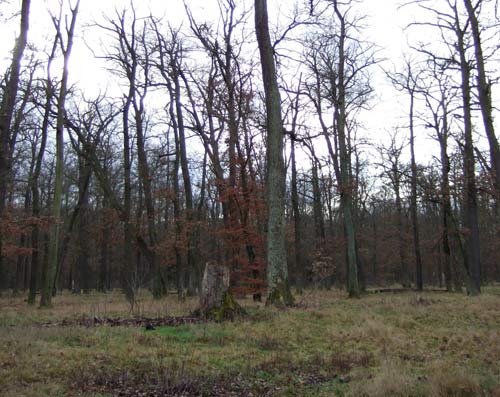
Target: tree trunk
{"x":319,"y":224}
{"x":470,"y":194}
{"x":299,"y":257}
{"x":102,"y":284}
{"x":346,"y":183}
{"x":277,"y":271}
{"x":485,"y":101}
{"x":46,"y":296}
{"x":34,"y":183}
{"x":216,"y":302}
{"x":413,"y":200}
{"x":445,"y":198}
{"x":159,"y":287}
{"x":192,"y":271}
{"x":405,"y":277}
{"x":83,"y":266}
{"x":6,"y":115}
{"x":127,"y":268}
{"x":374,"y":256}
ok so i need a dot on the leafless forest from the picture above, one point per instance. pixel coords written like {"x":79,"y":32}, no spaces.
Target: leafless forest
{"x":233,"y":142}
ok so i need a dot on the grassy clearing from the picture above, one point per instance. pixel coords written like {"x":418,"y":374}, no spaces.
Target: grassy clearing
{"x":406,"y":344}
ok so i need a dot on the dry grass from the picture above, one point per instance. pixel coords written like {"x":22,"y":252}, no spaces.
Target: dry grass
{"x":450,"y":380}
{"x":14,"y":310}
{"x":407,"y":344}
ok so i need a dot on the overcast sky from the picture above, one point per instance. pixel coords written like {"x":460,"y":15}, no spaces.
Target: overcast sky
{"x":385,"y":27}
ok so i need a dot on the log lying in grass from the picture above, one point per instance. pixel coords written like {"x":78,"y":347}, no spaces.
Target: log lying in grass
{"x":216,"y":301}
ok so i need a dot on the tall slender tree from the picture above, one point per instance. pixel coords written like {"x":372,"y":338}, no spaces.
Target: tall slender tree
{"x":66,"y":45}
{"x":473,"y":256}
{"x":277,"y":270}
{"x":408,"y":81}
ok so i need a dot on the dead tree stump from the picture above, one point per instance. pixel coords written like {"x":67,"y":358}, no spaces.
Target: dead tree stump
{"x":216,"y":301}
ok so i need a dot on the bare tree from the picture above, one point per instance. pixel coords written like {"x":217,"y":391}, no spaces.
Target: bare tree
{"x":339,"y":64}
{"x":484,"y":87}
{"x":395,"y":171}
{"x":277,"y":271}
{"x":454,"y":31}
{"x":409,"y":82}
{"x":66,"y":44}
{"x":7,"y":109}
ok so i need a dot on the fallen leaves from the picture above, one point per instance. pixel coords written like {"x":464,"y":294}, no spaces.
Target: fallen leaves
{"x":150,"y":323}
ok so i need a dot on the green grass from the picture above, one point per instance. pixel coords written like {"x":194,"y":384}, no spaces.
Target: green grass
{"x":406,"y":344}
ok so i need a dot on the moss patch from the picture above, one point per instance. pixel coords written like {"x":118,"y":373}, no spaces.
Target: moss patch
{"x":229,"y":309}
{"x":281,"y":294}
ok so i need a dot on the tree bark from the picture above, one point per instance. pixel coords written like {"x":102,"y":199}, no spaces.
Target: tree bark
{"x":277,"y":270}
{"x":127,"y":268}
{"x":7,"y":109}
{"x":346,"y":183}
{"x":485,"y":101}
{"x":470,"y":192}
{"x":83,"y":266}
{"x":216,"y":302}
{"x":396,"y":172}
{"x":299,"y":257}
{"x":103,"y":283}
{"x":34,"y":186}
{"x":446,"y":214}
{"x":413,"y":200}
{"x":46,"y":296}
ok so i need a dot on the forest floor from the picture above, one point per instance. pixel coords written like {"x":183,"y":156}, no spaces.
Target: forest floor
{"x":384,"y":344}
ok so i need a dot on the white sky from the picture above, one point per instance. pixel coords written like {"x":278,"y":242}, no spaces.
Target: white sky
{"x":384,"y":27}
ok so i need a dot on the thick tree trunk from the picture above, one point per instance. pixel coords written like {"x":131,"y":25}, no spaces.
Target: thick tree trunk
{"x":277,"y":271}
{"x":485,"y":101}
{"x":470,"y":194}
{"x":7,"y":109}
{"x":346,"y":182}
{"x":216,"y":301}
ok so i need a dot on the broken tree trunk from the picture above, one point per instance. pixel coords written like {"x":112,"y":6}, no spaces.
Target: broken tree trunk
{"x":216,"y":301}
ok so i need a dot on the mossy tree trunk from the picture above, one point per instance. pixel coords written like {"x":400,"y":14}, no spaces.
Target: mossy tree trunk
{"x":216,"y":301}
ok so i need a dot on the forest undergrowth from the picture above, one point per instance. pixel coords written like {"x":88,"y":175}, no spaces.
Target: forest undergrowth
{"x":384,"y":344}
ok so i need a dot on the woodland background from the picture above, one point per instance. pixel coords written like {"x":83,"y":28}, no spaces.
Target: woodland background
{"x":140,"y":185}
